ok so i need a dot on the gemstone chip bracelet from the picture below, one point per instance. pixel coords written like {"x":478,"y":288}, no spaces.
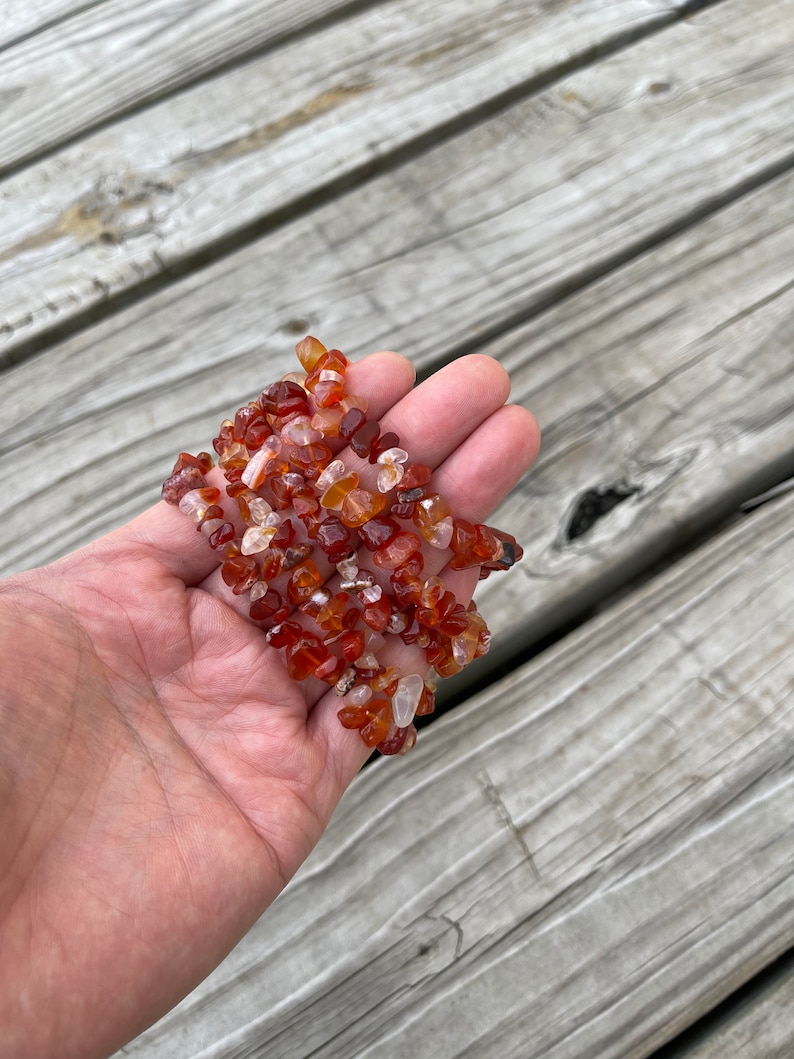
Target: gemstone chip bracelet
{"x":348,"y":560}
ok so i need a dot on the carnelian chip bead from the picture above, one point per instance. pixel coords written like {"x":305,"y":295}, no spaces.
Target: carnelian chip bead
{"x":335,"y":494}
{"x":364,"y":438}
{"x":427,"y":702}
{"x":222,"y":535}
{"x":382,"y":444}
{"x":304,"y":656}
{"x":394,"y":740}
{"x":284,"y":535}
{"x":277,"y":462}
{"x":246,"y":417}
{"x":416,"y":475}
{"x":327,"y":420}
{"x":406,"y":699}
{"x":331,"y":616}
{"x":309,"y":351}
{"x":352,"y":644}
{"x":376,"y":614}
{"x":196,"y":502}
{"x":377,"y":728}
{"x":330,"y":670}
{"x":352,"y":421}
{"x":184,"y":481}
{"x":304,"y":580}
{"x":333,"y":536}
{"x":430,"y":510}
{"x":378,"y":531}
{"x":390,"y":468}
{"x":239,"y":573}
{"x":360,"y":505}
{"x":329,"y":388}
{"x":284,"y":634}
{"x":263,"y":608}
{"x":203,"y":462}
{"x":396,"y":552}
{"x":351,"y":716}
{"x":284,"y":398}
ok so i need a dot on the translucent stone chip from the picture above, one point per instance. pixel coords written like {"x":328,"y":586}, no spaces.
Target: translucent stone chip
{"x":406,"y":699}
{"x":256,"y":539}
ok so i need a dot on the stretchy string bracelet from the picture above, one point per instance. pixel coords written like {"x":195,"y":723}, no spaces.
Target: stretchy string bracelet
{"x":307,"y":513}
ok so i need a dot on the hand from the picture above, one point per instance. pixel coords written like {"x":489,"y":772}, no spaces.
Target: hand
{"x":161,"y":777}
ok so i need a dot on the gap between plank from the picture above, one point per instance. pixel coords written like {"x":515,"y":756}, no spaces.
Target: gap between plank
{"x":595,"y":273}
{"x":50,"y":24}
{"x":360,"y":175}
{"x":508,"y":655}
{"x":752,"y":991}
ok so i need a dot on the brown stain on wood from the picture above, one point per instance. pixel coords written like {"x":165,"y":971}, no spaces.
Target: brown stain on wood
{"x":120,"y":207}
{"x":114,"y":210}
{"x":263,"y":136}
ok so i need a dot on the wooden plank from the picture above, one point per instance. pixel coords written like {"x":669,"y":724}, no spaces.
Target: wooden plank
{"x":146,"y":193}
{"x":93,"y":423}
{"x":23,"y":18}
{"x":111,"y":56}
{"x":581,"y":861}
{"x":672,"y":380}
{"x":759,"y":1027}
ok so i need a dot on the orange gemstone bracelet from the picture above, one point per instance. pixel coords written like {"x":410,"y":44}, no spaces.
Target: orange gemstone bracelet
{"x":306,"y":513}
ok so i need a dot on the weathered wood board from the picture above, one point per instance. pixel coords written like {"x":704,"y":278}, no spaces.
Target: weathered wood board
{"x":761,"y":1026}
{"x":109,"y":57}
{"x":579,"y":862}
{"x":201,"y":167}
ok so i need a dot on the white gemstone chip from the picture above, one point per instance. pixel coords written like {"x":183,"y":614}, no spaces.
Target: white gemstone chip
{"x":442,"y":533}
{"x":332,"y":473}
{"x":256,"y":539}
{"x":406,"y":699}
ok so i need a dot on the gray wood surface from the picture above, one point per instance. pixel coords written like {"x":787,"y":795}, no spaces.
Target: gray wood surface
{"x":580,"y":862}
{"x":111,"y":56}
{"x":760,"y":1025}
{"x":204,"y":165}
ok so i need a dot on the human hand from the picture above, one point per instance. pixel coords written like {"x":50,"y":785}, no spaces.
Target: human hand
{"x":161,"y":777}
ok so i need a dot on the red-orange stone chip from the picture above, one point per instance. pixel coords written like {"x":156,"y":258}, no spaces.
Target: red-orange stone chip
{"x":379,"y":530}
{"x":396,"y":552}
{"x":240,"y":573}
{"x":309,"y":351}
{"x":303,"y":582}
{"x":377,"y":614}
{"x":304,"y":656}
{"x":416,"y":474}
{"x":364,"y":438}
{"x":395,"y":739}
{"x":377,"y":728}
{"x":360,"y":505}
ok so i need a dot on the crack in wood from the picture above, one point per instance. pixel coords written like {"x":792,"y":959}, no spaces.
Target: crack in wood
{"x":493,"y":796}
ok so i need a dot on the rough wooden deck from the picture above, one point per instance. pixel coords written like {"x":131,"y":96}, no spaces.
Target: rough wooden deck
{"x":590,"y":855}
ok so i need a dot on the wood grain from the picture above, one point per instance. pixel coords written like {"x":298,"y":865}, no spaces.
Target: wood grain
{"x":147,"y":193}
{"x":500,"y":220}
{"x":109,"y":57}
{"x":579,"y":862}
{"x":758,"y":1027}
{"x":23,"y":18}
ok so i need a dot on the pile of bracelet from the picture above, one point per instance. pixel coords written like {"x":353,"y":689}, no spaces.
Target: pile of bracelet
{"x":306,"y":513}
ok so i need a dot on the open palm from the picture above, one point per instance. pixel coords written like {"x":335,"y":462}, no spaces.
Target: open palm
{"x":161,"y":777}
